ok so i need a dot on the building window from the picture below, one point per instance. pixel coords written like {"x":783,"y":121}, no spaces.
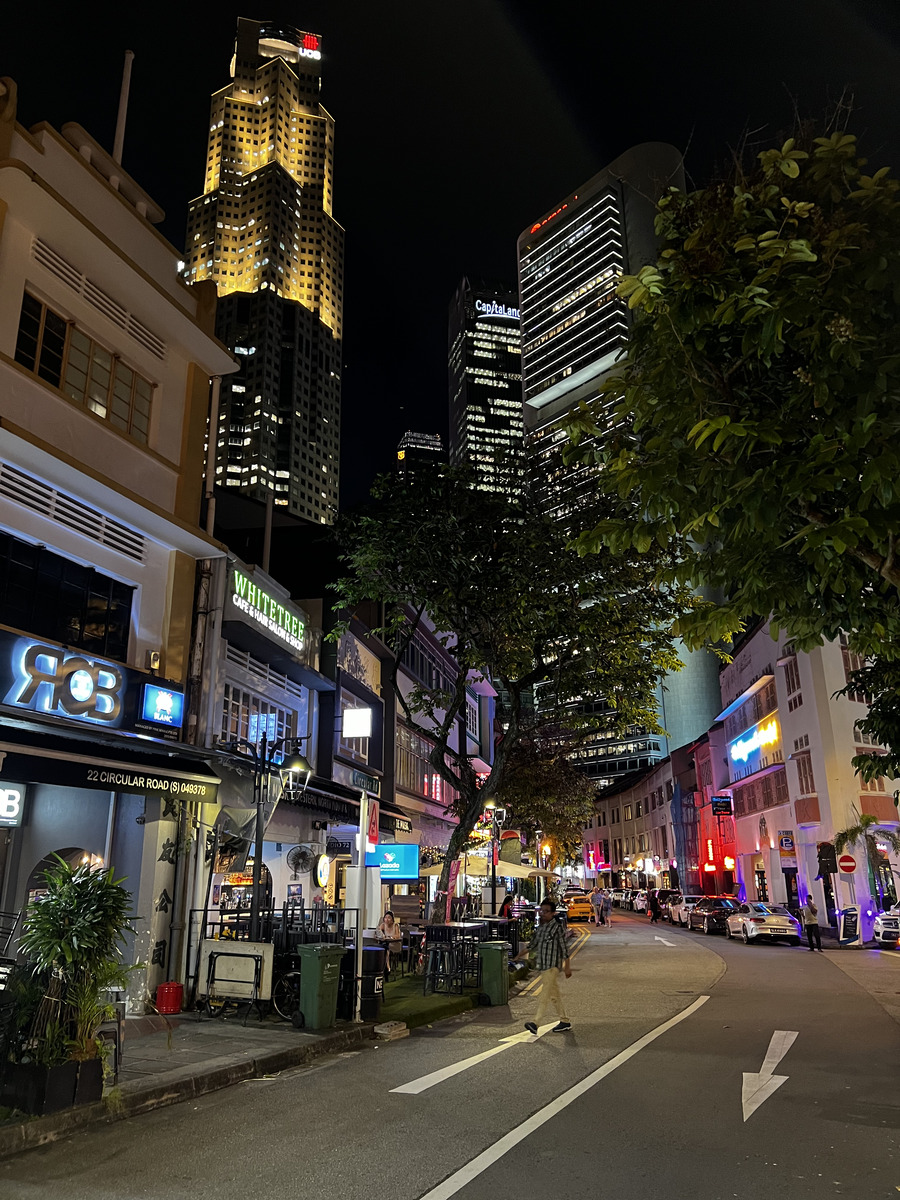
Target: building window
{"x":248,"y":715}
{"x":45,"y":594}
{"x":639,"y":809}
{"x":792,"y":683}
{"x":874,"y":785}
{"x":805,"y":773}
{"x":88,"y":374}
{"x":414,"y":772}
{"x":627,"y":812}
{"x":472,"y":718}
{"x":852,"y":662}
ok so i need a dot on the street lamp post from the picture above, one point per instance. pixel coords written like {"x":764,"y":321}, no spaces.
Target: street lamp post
{"x":261,"y":758}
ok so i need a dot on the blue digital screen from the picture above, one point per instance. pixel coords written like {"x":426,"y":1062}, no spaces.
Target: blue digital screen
{"x":396,"y":862}
{"x":162,"y":706}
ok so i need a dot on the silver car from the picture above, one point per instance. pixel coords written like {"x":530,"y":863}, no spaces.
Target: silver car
{"x":755,"y":921}
{"x":678,"y":911}
{"x":887,"y":927}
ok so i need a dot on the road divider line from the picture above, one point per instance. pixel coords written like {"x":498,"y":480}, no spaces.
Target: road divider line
{"x":459,"y":1179}
{"x":429,"y":1081}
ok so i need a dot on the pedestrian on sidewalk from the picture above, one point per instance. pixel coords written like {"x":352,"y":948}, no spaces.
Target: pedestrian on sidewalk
{"x":551,"y":954}
{"x":809,"y":915}
{"x":597,"y":906}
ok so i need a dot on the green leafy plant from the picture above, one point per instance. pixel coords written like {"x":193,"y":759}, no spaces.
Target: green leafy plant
{"x":867,"y":832}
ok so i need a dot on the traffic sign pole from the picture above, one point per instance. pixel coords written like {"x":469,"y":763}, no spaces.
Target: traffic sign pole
{"x":847,"y":864}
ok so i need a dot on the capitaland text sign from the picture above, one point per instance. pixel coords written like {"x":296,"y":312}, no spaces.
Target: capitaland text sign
{"x":490,"y":308}
{"x":273,"y":616}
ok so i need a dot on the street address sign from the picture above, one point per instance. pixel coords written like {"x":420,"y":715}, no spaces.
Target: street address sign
{"x":847,"y":864}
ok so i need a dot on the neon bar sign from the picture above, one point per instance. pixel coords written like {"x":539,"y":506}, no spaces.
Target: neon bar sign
{"x":764,"y":735}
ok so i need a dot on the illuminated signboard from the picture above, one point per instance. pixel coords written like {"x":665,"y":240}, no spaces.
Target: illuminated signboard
{"x":310,"y":47}
{"x":722,"y":806}
{"x":537,"y":225}
{"x":490,"y":308}
{"x":67,"y":683}
{"x":396,"y":862}
{"x":763,"y":735}
{"x":272,"y":615}
{"x":162,"y":706}
{"x":12,"y":802}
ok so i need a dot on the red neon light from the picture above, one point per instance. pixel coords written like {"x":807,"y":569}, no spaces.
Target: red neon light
{"x":310,"y":41}
{"x":729,"y":863}
{"x":536,"y":227}
{"x":709,"y":866}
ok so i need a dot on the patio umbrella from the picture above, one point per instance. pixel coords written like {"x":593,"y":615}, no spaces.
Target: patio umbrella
{"x":505,"y":870}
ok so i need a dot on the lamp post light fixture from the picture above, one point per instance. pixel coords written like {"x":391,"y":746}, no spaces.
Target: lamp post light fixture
{"x":262,"y":757}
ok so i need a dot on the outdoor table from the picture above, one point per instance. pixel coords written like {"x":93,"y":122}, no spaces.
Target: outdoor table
{"x":459,"y":961}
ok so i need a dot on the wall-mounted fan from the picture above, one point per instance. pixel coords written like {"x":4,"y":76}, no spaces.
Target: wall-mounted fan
{"x":300,"y":859}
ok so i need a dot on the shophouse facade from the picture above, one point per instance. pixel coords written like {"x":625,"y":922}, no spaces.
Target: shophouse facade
{"x":105,"y":366}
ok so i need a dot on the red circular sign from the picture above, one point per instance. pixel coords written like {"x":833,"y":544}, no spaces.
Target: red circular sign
{"x":847,"y":863}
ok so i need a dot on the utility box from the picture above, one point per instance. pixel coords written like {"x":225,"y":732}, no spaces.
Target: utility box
{"x":494,"y":971}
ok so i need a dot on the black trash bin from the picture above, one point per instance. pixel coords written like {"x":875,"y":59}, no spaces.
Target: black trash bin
{"x":372,"y":983}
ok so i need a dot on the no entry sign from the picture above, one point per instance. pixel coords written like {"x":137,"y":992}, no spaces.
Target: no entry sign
{"x":847,"y":864}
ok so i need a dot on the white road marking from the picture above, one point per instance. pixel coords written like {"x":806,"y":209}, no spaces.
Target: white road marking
{"x":459,"y":1179}
{"x":436,"y":1077}
{"x":663,"y":940}
{"x":756,"y":1089}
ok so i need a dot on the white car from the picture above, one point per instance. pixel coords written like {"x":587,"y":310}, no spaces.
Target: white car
{"x":640,"y":902}
{"x":678,"y":912}
{"x":755,"y":921}
{"x":618,"y":897}
{"x":887,"y":927}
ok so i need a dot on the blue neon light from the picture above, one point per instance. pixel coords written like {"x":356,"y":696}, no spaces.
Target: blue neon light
{"x":162,"y":706}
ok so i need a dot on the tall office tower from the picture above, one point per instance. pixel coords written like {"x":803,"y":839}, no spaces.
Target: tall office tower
{"x":263,"y":229}
{"x":573,"y":325}
{"x":485,"y":377}
{"x":574,"y":329}
{"x":418,"y":450}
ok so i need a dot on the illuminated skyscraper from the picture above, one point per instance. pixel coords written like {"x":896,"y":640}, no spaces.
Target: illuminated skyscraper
{"x":263,"y":229}
{"x":485,"y":377}
{"x":420,"y":451}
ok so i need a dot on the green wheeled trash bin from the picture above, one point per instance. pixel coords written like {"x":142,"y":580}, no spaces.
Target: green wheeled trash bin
{"x":494,"y":971}
{"x":320,"y":973}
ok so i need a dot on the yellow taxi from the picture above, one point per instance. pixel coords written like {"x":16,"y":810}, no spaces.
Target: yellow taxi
{"x":578,"y":908}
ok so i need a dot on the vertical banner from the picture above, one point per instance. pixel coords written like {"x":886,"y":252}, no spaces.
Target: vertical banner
{"x":372,"y":834}
{"x":451,"y":886}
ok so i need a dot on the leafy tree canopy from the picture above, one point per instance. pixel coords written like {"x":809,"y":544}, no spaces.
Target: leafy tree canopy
{"x":543,"y":790}
{"x":755,"y":422}
{"x":514,"y":603}
{"x":755,"y":419}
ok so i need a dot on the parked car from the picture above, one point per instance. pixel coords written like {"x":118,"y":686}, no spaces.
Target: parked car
{"x":755,"y":921}
{"x":618,"y":895}
{"x":887,"y":927}
{"x":664,"y":896}
{"x":578,"y":907}
{"x":666,"y":905}
{"x":711,"y":913}
{"x":640,"y":901}
{"x":679,"y":909}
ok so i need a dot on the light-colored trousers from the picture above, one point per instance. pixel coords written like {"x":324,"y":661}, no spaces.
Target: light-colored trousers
{"x":550,"y":993}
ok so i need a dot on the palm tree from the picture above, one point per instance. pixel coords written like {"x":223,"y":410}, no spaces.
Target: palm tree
{"x":867,"y":832}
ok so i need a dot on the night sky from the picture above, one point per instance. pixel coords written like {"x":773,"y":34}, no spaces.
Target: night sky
{"x":458,"y":122}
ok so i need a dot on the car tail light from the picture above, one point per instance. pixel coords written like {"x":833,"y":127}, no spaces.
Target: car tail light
{"x":757,"y":920}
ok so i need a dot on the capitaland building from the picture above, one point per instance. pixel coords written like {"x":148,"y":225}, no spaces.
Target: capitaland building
{"x":485,"y":381}
{"x":263,"y":231}
{"x":105,"y":366}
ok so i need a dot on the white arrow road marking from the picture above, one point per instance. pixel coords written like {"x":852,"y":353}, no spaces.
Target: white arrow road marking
{"x":436,"y":1077}
{"x":663,"y":940}
{"x":756,"y":1089}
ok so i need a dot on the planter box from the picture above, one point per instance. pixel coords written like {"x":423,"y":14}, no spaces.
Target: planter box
{"x":89,"y":1088}
{"x":39,"y":1090}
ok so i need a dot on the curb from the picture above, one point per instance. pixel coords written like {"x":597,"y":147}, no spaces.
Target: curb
{"x":132,"y":1099}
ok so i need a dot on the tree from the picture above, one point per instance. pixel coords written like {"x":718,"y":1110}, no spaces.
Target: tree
{"x":755,"y":422}
{"x":866,"y":832}
{"x":513,"y":603}
{"x":543,"y":790}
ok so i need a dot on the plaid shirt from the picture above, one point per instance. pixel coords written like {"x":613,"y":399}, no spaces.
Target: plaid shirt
{"x":548,"y":945}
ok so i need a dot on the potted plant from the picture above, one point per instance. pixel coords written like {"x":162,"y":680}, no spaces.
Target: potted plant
{"x":71,"y":941}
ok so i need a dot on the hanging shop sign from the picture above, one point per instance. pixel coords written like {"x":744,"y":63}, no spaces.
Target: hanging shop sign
{"x":722,"y":806}
{"x":356,"y":779}
{"x":40,"y":676}
{"x":787,"y":850}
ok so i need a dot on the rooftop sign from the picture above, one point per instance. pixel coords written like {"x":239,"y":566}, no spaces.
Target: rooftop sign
{"x":490,"y":308}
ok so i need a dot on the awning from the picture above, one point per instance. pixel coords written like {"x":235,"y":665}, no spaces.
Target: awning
{"x":28,"y":755}
{"x":481,"y":867}
{"x":341,"y":803}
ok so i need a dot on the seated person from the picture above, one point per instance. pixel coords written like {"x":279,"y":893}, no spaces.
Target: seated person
{"x":390,"y":934}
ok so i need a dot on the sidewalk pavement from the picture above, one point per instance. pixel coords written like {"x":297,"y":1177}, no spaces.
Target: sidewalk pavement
{"x":877,"y":971}
{"x":167,"y":1060}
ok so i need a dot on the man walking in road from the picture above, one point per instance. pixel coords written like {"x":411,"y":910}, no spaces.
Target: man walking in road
{"x":607,"y":909}
{"x":809,"y":915}
{"x":597,"y":906}
{"x":551,"y":954}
